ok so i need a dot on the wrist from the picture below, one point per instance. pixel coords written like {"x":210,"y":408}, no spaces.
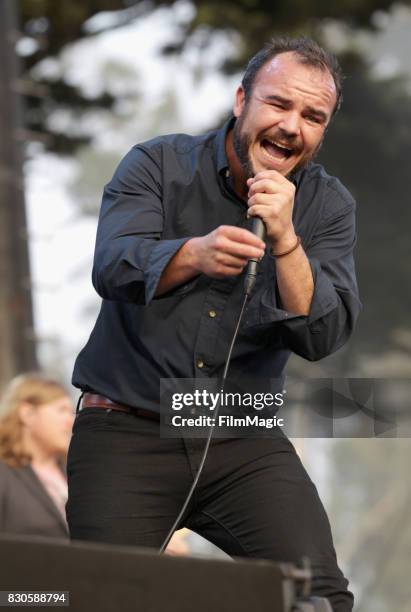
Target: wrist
{"x":191,"y":255}
{"x":285,"y":242}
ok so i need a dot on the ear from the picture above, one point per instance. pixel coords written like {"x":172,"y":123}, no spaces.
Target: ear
{"x":26,"y":412}
{"x":239,"y":101}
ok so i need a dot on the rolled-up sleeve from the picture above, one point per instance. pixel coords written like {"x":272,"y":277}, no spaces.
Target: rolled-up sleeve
{"x":130,"y":255}
{"x":335,"y":304}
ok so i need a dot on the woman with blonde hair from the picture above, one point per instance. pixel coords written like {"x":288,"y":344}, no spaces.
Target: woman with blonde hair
{"x":36,"y":417}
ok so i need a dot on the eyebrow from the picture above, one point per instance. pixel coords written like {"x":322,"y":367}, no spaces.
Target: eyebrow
{"x":287,"y":103}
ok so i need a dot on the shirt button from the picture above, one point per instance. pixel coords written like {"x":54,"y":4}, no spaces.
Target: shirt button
{"x":212,"y":313}
{"x":200,"y":364}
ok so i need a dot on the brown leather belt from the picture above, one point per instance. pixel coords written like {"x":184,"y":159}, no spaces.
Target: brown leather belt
{"x":92,"y":400}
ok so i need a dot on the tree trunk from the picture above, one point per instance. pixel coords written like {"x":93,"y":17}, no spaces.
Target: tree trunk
{"x":17,"y":339}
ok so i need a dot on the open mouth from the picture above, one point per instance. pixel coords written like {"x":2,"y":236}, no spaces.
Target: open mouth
{"x":276,"y":150}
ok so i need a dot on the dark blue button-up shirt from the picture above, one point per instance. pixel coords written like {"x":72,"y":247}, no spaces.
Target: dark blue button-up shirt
{"x":164,"y":192}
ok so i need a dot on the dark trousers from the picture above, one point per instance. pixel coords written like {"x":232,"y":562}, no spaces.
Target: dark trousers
{"x":254,"y":498}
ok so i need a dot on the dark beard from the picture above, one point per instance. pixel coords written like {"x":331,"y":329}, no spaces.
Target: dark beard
{"x":241,"y":144}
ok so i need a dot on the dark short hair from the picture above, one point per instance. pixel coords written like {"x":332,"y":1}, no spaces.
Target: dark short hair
{"x":308,"y":52}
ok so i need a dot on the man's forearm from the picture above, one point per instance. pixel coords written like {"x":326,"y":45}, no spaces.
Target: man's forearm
{"x":223,"y":252}
{"x":294,"y":276}
{"x":180,"y":269}
{"x":295,"y":281}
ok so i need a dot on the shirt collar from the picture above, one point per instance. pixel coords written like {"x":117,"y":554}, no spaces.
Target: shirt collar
{"x":221,"y":155}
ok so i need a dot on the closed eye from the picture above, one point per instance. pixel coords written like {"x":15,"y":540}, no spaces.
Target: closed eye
{"x":277,"y":101}
{"x":315,"y":117}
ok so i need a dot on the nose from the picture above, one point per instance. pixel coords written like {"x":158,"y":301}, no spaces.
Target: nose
{"x":290,"y":123}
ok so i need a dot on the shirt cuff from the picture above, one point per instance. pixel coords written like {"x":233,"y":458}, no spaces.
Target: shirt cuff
{"x":159,"y":257}
{"x":324,"y":300}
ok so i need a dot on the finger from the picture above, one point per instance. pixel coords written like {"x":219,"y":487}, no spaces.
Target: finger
{"x":243,"y":251}
{"x":264,"y":186}
{"x":274,"y":175}
{"x":232,"y":271}
{"x":266,"y":213}
{"x":263,"y":199}
{"x":224,"y":271}
{"x":232,"y":261}
{"x":240,"y":235}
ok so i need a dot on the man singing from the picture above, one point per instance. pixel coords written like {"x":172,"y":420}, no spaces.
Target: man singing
{"x":173,"y":242}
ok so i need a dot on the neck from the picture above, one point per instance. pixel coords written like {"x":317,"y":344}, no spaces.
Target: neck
{"x":39,"y":455}
{"x":45,"y":462}
{"x":236,"y":169}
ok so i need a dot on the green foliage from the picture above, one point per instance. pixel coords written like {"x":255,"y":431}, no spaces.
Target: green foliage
{"x":56,"y":24}
{"x":257,"y":21}
{"x":368,"y":147}
{"x":368,"y":144}
{"x":53,"y":25}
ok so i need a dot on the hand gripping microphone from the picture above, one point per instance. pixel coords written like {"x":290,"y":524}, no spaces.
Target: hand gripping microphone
{"x":257,"y":228}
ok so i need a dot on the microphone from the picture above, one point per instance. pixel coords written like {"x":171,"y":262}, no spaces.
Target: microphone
{"x":257,"y":228}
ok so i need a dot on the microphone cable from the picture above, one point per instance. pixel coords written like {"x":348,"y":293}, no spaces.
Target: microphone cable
{"x":207,"y":445}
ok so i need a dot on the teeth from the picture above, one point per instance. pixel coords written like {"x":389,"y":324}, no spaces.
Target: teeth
{"x":277,"y":144}
{"x":280,"y":146}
